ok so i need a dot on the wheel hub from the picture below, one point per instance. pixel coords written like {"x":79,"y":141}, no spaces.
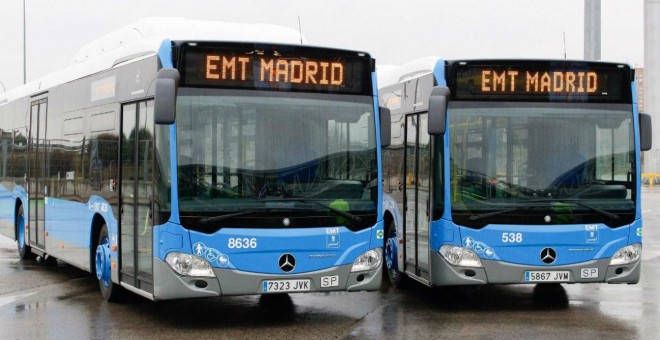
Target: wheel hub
{"x":390,"y":254}
{"x":103,"y":262}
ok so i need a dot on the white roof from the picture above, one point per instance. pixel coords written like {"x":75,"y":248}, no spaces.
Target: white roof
{"x":143,"y":38}
{"x":389,"y":74}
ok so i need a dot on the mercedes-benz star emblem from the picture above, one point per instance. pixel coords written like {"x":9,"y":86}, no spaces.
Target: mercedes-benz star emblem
{"x":548,"y":255}
{"x":287,"y":262}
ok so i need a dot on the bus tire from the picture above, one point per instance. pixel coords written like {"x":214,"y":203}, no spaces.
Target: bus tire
{"x":102,"y":265}
{"x":24,"y":250}
{"x":391,"y":257}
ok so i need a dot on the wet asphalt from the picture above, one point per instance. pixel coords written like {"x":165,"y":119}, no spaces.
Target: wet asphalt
{"x":57,"y":301}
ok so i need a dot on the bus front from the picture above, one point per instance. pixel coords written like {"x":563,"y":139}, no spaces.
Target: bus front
{"x":275,"y":184}
{"x":542,"y":175}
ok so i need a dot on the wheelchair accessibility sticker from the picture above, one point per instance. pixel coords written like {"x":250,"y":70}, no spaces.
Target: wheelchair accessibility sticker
{"x":482,"y":249}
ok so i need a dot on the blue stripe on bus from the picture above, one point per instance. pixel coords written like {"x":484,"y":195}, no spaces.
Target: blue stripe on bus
{"x":377,"y":231}
{"x":71,"y":222}
{"x":7,"y":217}
{"x":165,"y":54}
{"x":174,"y":188}
{"x":260,"y":249}
{"x":378,"y":149}
{"x":439,"y":73}
{"x":638,"y":186}
{"x":573,"y":243}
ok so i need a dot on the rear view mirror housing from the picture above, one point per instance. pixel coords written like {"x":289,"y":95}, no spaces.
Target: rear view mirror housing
{"x":438,"y":110}
{"x":645,"y":132}
{"x":385,"y":127}
{"x":167,"y":83}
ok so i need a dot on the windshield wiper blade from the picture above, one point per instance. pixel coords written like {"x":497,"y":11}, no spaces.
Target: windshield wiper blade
{"x":499,"y":212}
{"x":342,"y":213}
{"x":228,"y":216}
{"x":218,"y":218}
{"x":541,"y":200}
{"x":580,"y":203}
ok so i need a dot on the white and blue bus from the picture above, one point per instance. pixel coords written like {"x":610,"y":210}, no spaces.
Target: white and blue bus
{"x":513,"y":171}
{"x":181,"y":159}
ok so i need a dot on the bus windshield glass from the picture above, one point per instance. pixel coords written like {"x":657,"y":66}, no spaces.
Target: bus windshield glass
{"x":541,"y":163}
{"x":251,"y":158}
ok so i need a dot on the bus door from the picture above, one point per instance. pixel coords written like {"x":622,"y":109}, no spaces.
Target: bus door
{"x":417,"y":195}
{"x":36,"y":175}
{"x":136,"y":193}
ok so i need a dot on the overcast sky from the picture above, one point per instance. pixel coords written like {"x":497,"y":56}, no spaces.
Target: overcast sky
{"x":394,"y":32}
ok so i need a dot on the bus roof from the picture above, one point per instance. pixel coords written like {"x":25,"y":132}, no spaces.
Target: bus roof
{"x":389,"y":75}
{"x":142,"y":39}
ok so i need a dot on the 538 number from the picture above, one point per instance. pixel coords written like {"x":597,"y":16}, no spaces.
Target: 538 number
{"x":512,"y":237}
{"x":242,"y":243}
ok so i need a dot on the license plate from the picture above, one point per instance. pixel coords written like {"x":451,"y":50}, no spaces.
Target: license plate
{"x":281,"y":286}
{"x":547,"y":276}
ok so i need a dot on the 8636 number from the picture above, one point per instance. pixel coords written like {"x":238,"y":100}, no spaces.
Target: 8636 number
{"x":242,"y":243}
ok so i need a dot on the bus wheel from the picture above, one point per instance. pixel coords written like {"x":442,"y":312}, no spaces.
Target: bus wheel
{"x":391,"y":257}
{"x":102,"y":263}
{"x":24,"y":251}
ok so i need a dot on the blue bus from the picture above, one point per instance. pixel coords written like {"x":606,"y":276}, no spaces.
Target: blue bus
{"x":513,"y":171}
{"x":221,"y":159}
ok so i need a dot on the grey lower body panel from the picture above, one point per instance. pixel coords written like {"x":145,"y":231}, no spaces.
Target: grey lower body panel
{"x":497,"y":272}
{"x":234,"y":282}
{"x":170,"y":285}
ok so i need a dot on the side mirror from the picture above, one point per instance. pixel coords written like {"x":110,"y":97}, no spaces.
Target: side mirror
{"x":385,"y":127}
{"x":167,"y":82}
{"x":645,"y":132}
{"x":438,"y":110}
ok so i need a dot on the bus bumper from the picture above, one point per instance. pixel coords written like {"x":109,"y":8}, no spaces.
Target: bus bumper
{"x":170,"y":285}
{"x":234,"y":282}
{"x":498,"y":272}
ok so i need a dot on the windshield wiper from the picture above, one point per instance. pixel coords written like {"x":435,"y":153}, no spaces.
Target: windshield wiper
{"x":227,"y":216}
{"x":580,"y":203}
{"x":541,"y":200}
{"x":342,"y":213}
{"x":499,"y":212}
{"x":219,"y":218}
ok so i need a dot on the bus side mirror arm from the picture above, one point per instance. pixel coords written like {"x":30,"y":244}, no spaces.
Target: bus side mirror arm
{"x":438,"y":110}
{"x":167,"y":82}
{"x":645,"y":132}
{"x":385,"y":127}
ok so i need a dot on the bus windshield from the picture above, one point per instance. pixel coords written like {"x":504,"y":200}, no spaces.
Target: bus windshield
{"x":259,"y":156}
{"x":541,"y":163}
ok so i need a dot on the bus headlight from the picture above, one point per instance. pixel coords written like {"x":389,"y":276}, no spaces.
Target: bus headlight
{"x":189,"y":265}
{"x":459,"y":256}
{"x":367,"y":261}
{"x":627,"y":254}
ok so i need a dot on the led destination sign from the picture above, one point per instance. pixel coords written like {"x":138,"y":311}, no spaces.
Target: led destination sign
{"x":281,"y":69}
{"x":275,"y":70}
{"x":588,"y":82}
{"x":557,"y":82}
